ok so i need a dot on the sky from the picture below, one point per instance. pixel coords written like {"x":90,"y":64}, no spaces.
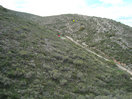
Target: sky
{"x":119,"y":10}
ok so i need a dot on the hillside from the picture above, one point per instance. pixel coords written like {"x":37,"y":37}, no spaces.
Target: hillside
{"x":37,"y":64}
{"x":100,"y":34}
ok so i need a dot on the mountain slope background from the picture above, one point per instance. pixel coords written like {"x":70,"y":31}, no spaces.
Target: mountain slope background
{"x":108,"y":36}
{"x":36,"y":63}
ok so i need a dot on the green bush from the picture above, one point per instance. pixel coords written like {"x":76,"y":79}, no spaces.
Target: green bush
{"x":55,"y":74}
{"x":78,"y":62}
{"x":63,"y":82}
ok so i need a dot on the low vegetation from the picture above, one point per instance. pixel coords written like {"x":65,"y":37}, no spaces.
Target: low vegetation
{"x":36,"y":64}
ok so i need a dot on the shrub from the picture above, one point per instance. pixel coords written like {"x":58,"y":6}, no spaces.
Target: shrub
{"x":78,"y":62}
{"x":55,"y":74}
{"x":81,"y":97}
{"x":81,"y":28}
{"x":105,"y":97}
{"x":80,"y":75}
{"x":63,"y":82}
{"x":23,"y":52}
{"x":68,"y":75}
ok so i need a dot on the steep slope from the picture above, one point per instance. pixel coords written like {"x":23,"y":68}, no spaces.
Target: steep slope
{"x":104,"y":36}
{"x":36,"y":64}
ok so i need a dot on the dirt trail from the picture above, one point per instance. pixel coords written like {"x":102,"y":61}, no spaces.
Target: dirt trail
{"x":123,"y":68}
{"x":120,"y":66}
{"x":86,"y":48}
